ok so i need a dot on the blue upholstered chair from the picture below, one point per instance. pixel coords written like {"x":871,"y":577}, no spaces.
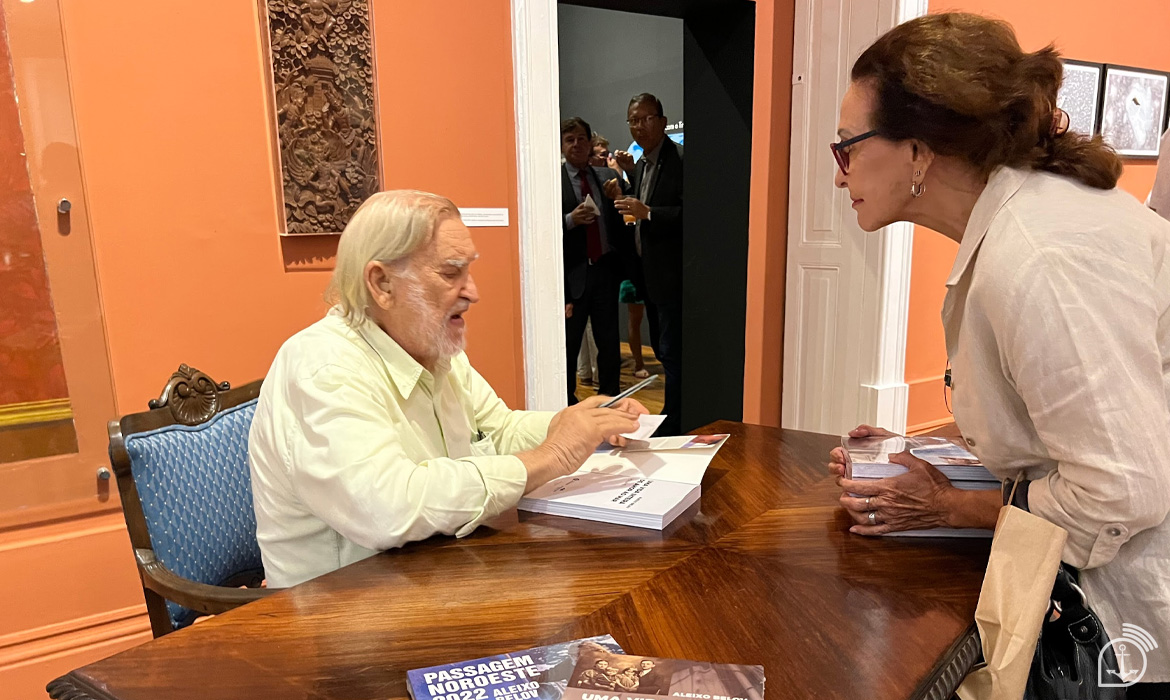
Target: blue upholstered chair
{"x":182,"y":471}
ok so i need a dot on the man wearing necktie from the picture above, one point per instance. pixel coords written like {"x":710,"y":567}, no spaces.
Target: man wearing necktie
{"x":657,"y":206}
{"x":594,"y":243}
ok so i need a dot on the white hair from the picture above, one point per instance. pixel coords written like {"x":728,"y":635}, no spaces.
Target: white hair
{"x":388,"y":227}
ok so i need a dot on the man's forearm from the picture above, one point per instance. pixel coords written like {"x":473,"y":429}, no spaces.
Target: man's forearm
{"x":543,"y":464}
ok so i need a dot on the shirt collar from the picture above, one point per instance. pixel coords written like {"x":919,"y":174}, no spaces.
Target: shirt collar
{"x":573,"y":171}
{"x":404,"y":370}
{"x":1001,"y":187}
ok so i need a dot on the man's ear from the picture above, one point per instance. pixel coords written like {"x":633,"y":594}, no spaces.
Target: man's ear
{"x":379,"y":284}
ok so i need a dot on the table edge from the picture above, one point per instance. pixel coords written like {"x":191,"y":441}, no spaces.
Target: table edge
{"x":944,"y":680}
{"x":71,"y":687}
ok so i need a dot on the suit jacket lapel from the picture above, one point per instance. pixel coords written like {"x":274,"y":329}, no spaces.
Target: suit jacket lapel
{"x":662,"y":156}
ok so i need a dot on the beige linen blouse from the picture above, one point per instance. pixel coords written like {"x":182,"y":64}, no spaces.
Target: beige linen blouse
{"x":1059,"y":341}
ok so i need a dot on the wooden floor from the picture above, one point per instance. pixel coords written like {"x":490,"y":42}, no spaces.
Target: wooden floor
{"x":651,"y":397}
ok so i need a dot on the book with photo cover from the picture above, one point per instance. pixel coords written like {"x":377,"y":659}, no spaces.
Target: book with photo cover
{"x":540,"y":673}
{"x":869,"y":458}
{"x":602,"y":675}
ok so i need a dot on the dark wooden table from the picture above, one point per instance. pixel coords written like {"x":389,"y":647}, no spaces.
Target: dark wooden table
{"x":761,"y":571}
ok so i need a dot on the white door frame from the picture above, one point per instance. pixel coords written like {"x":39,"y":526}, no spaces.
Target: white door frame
{"x":536,"y":75}
{"x":847,"y":291}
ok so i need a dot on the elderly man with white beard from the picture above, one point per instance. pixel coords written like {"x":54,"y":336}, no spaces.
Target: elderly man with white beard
{"x":373,"y":430}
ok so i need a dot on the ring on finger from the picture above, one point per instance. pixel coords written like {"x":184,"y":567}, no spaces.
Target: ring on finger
{"x":873,"y":517}
{"x":867,"y":500}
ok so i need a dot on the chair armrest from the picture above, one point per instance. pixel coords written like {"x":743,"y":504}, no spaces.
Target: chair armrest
{"x":200,"y":597}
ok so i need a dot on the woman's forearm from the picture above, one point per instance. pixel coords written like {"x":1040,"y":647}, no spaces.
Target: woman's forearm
{"x":980,"y":509}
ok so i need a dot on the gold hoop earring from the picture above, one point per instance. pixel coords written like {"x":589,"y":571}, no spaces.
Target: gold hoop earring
{"x":917,"y":189}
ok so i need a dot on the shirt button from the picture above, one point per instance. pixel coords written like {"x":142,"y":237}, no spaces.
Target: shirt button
{"x":970,"y":442}
{"x":1114,"y":532}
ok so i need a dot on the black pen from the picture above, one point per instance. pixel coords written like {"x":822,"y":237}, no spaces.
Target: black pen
{"x":630,"y":392}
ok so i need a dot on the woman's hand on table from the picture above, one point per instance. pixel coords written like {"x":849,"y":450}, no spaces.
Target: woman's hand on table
{"x":837,"y":455}
{"x":917,"y":500}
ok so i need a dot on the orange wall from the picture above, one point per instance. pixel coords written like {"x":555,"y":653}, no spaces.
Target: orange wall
{"x":1077,"y":28}
{"x":176,"y":139}
{"x":176,"y":150}
{"x":768,"y":218}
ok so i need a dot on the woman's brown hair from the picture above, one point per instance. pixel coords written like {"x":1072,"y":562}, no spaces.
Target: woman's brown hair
{"x":961,"y":84}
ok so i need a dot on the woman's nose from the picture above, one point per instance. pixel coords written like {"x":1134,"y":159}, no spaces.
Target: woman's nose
{"x":839,"y":178}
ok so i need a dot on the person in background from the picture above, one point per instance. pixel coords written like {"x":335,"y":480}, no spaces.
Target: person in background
{"x":603,"y":157}
{"x":656,"y":205}
{"x":587,"y":372}
{"x":628,"y":292}
{"x":1056,"y":310}
{"x":595,"y":244}
{"x":373,"y":430}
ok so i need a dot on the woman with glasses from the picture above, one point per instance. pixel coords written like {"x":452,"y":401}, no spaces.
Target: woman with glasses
{"x":1057,"y":313}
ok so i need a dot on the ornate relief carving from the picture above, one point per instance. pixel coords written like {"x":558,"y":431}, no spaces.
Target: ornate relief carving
{"x":323,"y":73}
{"x":192,"y":396}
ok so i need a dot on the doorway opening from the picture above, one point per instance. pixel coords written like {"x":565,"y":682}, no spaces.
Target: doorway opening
{"x":696,"y":57}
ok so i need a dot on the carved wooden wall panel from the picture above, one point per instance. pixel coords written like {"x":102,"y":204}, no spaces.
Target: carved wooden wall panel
{"x":323,"y":75}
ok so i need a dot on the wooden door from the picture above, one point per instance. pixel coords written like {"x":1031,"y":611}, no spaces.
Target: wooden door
{"x":54,"y":365}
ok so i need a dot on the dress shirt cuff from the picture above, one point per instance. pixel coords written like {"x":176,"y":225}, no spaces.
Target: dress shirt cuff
{"x":569,"y":221}
{"x":504,"y":479}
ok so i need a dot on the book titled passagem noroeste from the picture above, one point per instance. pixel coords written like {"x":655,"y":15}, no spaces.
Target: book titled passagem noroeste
{"x":601,"y":675}
{"x":540,"y":673}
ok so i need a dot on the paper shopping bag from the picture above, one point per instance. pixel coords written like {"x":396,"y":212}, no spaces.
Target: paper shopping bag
{"x":1025,"y":556}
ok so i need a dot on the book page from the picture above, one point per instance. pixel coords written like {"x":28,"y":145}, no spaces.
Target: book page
{"x":686,"y":465}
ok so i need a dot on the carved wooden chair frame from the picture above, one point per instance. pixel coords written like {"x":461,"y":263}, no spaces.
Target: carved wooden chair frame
{"x":189,"y":398}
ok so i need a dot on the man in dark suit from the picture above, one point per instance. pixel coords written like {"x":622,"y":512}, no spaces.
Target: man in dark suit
{"x":656,"y":203}
{"x":651,"y":681}
{"x":595,"y":244}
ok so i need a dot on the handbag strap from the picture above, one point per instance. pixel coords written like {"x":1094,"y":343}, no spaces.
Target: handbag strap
{"x":1076,"y":619}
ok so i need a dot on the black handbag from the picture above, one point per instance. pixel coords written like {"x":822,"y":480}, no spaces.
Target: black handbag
{"x":1065,"y":665}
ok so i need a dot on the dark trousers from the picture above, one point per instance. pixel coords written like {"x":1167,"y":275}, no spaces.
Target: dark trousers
{"x":666,"y":339}
{"x":599,"y":304}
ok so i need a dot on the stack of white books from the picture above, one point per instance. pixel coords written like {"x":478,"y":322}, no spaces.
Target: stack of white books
{"x":648,"y":483}
{"x":869,"y":458}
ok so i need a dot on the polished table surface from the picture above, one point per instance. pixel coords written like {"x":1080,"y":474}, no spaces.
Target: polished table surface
{"x":762,"y":571}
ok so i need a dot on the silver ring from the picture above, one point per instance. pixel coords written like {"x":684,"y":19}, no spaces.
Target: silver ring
{"x":873,"y":517}
{"x":867,"y":500}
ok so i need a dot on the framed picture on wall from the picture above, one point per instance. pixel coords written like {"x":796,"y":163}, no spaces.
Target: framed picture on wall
{"x":1133,"y":110}
{"x":1080,"y":95}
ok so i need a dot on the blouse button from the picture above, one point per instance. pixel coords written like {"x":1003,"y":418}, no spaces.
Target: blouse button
{"x":1114,"y":532}
{"x":970,"y":442}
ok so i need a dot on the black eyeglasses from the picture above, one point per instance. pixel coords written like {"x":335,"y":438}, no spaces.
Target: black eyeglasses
{"x":948,"y":387}
{"x":842,"y":155}
{"x":646,"y":120}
